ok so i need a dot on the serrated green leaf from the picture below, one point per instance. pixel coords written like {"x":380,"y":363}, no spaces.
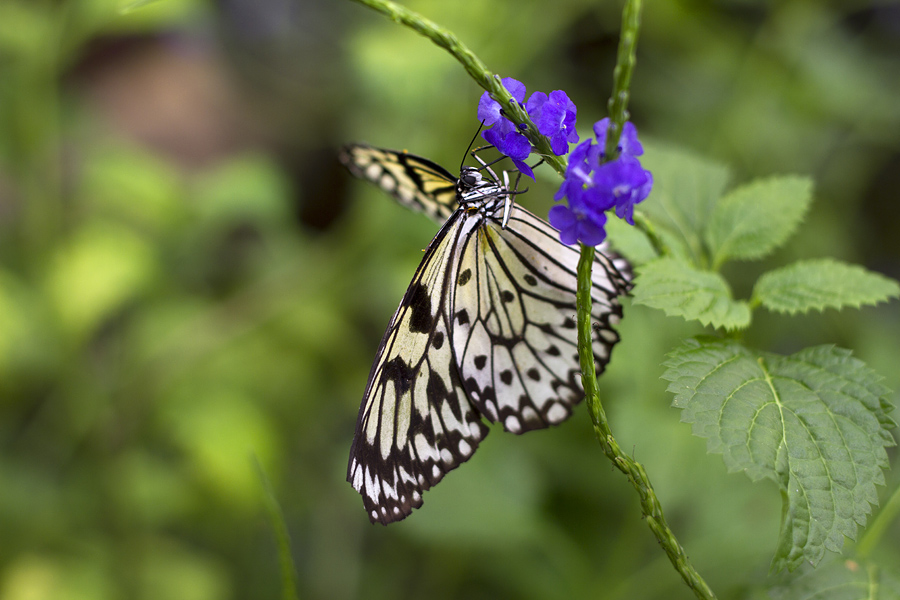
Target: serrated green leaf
{"x":754,"y":219}
{"x":686,"y":187}
{"x":841,"y":580}
{"x":814,"y":422}
{"x":680,"y":290}
{"x":820,"y":284}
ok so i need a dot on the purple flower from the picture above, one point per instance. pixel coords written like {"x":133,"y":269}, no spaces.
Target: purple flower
{"x":489,"y":109}
{"x":576,"y":223}
{"x":628,"y":142}
{"x":509,"y":141}
{"x":592,"y":188}
{"x":503,"y":134}
{"x":555,"y":116}
{"x":626,"y":182}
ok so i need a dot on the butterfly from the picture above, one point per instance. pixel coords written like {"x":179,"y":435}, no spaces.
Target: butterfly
{"x":485,"y":331}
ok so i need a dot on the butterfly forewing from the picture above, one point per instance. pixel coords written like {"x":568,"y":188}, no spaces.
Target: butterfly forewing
{"x":485,"y":329}
{"x":416,"y":422}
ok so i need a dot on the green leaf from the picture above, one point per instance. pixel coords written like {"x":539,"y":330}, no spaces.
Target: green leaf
{"x":754,"y":219}
{"x":629,"y":241}
{"x":815,"y":422}
{"x":680,"y":290}
{"x":820,"y":284}
{"x":686,"y":187}
{"x":841,"y":580}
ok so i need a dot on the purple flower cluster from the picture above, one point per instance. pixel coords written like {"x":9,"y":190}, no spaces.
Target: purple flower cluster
{"x":593,"y":188}
{"x":554,"y":116}
{"x":591,"y":185}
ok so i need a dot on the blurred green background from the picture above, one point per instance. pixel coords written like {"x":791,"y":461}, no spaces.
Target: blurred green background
{"x":189,"y":282}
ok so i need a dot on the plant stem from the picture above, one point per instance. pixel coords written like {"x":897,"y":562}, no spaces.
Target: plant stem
{"x":282,"y":538}
{"x":625,"y":61}
{"x":633,"y":470}
{"x":477,"y":69}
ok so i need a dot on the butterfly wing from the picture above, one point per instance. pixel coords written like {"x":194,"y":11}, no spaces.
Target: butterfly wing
{"x":415,"y":182}
{"x":514,"y":321}
{"x":486,"y":328}
{"x":416,"y":422}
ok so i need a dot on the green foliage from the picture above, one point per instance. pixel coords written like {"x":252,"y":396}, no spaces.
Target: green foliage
{"x":841,"y":580}
{"x":674,"y":286}
{"x":752,"y":220}
{"x":820,"y":284}
{"x":701,"y":229}
{"x":685,"y":191}
{"x":96,"y":273}
{"x":814,"y":422}
{"x":630,"y":242}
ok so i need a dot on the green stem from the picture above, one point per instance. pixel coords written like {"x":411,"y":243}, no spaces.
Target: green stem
{"x":282,"y":538}
{"x":625,"y":61}
{"x":645,"y":225}
{"x":477,"y":69}
{"x":633,"y":470}
{"x":876,"y":529}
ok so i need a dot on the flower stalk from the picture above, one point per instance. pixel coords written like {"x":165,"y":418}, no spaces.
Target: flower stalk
{"x":633,"y":470}
{"x":477,"y":69}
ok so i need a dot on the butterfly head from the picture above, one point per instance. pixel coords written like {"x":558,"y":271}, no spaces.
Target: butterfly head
{"x":469,"y":179}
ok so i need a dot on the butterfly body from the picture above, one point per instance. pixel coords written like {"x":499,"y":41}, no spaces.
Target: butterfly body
{"x":486,"y":330}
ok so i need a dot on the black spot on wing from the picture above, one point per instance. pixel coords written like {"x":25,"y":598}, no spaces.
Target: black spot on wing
{"x":421,"y":319}
{"x":438,"y":340}
{"x":437,"y":390}
{"x":400,"y":373}
{"x":480,"y":361}
{"x":465,"y":276}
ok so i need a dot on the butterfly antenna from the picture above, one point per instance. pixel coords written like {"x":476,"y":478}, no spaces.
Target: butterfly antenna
{"x":485,"y":165}
{"x":474,"y":137}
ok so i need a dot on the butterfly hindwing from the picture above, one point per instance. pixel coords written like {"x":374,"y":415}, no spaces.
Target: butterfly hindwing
{"x":415,"y":182}
{"x":514,"y":327}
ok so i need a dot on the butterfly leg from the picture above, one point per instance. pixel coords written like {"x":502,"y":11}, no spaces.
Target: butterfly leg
{"x":487,"y":165}
{"x":507,"y":202}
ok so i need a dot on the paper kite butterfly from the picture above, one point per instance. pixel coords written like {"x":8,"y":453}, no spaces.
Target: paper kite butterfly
{"x":486,"y":330}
